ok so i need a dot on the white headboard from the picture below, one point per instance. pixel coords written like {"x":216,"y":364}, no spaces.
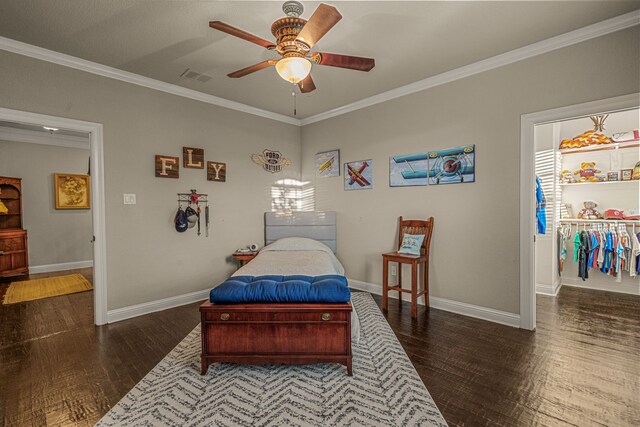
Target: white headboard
{"x":319,"y":226}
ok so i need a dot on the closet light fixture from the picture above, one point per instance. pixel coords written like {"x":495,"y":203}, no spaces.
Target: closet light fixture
{"x":293,"y":69}
{"x":50,"y":129}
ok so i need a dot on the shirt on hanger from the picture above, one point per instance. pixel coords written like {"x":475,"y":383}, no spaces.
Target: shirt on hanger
{"x":576,"y":246}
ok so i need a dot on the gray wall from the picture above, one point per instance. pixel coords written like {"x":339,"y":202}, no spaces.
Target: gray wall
{"x":475,"y":241}
{"x":55,"y":236}
{"x":147,"y":259}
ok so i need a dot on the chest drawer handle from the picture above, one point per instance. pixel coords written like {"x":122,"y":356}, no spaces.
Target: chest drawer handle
{"x":326,"y":316}
{"x":224,"y":316}
{"x":1,"y":252}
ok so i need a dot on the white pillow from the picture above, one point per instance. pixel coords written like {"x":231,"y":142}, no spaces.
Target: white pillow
{"x":297,"y":244}
{"x":411,"y":244}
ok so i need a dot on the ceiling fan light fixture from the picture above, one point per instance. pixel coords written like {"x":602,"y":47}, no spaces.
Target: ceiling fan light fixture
{"x":293,"y":69}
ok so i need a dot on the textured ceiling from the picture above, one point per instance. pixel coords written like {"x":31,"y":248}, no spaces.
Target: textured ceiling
{"x":410,"y":41}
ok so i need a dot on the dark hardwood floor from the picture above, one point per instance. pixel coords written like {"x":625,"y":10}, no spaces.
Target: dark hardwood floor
{"x":581,"y":367}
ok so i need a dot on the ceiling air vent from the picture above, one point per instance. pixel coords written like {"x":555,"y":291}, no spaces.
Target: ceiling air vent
{"x":192,"y":75}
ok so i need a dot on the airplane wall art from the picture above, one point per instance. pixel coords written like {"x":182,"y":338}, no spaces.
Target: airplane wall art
{"x":328,"y":163}
{"x":358,"y":175}
{"x":408,"y":170}
{"x":453,"y":165}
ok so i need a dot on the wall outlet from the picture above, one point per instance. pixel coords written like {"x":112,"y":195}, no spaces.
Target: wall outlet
{"x":394,"y":270}
{"x":129,"y":199}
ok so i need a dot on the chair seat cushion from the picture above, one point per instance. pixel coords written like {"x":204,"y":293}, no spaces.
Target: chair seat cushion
{"x":329,"y":288}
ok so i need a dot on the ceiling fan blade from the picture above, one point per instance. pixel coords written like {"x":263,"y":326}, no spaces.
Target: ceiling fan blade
{"x":343,"y":61}
{"x":226,"y":28}
{"x":307,"y":85}
{"x":253,"y":68}
{"x":322,"y":20}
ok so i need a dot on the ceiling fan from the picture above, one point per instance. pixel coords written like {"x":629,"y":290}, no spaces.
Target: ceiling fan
{"x":295,"y":37}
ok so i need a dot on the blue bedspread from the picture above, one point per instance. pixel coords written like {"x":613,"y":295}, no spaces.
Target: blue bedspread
{"x":329,"y":288}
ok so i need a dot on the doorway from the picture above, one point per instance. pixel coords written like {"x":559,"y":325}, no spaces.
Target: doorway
{"x":93,"y":131}
{"x":528,"y":222}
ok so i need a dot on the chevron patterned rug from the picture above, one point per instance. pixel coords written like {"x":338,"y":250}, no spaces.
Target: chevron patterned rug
{"x":385,"y":389}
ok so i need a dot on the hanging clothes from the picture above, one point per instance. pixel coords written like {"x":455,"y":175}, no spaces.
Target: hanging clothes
{"x":541,"y":208}
{"x":561,"y":253}
{"x":638,"y":257}
{"x":602,"y":239}
{"x":635,"y":255}
{"x":559,"y":245}
{"x":576,"y":246}
{"x":608,"y":250}
{"x":583,"y":255}
{"x":594,"y":247}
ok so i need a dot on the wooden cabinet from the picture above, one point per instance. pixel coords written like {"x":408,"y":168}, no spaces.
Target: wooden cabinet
{"x":14,"y":259}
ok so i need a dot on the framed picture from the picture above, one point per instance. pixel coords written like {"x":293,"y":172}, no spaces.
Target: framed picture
{"x":612,"y":176}
{"x":72,"y":191}
{"x":408,"y":170}
{"x":328,"y":163}
{"x":626,"y":174}
{"x":452,"y":165}
{"x":358,"y":175}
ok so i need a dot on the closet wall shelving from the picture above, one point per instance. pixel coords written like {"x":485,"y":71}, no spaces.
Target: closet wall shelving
{"x":577,"y":184}
{"x":619,"y":195}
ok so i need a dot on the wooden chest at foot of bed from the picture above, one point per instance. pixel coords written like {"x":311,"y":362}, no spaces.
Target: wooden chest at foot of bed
{"x":276,"y":334}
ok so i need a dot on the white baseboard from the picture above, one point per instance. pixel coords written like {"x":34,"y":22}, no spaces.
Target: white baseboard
{"x":60,"y":267}
{"x":551,"y":290}
{"x":613,"y":286}
{"x":484,"y":313}
{"x":151,"y":307}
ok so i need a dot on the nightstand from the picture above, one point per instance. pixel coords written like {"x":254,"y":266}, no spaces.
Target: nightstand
{"x":244,"y":257}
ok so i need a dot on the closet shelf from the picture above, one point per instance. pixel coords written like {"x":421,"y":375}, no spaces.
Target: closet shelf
{"x":578,"y":184}
{"x":600,"y":221}
{"x":602,"y":147}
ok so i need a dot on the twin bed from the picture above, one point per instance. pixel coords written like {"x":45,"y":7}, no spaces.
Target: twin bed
{"x":290,"y":304}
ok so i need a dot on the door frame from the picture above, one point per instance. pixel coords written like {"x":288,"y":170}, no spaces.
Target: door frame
{"x":97,"y":195}
{"x":527,"y":184}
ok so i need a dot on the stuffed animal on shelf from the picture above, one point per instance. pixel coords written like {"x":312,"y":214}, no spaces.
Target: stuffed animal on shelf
{"x":590,"y":137}
{"x":588,"y":172}
{"x":589,"y":211}
{"x":566,"y":177}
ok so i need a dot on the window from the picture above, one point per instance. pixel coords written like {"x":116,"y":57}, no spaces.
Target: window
{"x":291,"y":195}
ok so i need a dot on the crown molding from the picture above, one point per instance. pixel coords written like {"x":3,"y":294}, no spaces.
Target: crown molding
{"x":65,"y":60}
{"x":44,"y":138}
{"x":598,"y":29}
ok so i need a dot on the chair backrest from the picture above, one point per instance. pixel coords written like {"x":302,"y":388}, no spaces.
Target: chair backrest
{"x":416,"y":226}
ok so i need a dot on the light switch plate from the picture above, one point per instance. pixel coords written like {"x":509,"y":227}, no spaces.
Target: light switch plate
{"x":129,"y":199}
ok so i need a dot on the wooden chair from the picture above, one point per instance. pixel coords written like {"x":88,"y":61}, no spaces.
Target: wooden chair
{"x":410,"y":227}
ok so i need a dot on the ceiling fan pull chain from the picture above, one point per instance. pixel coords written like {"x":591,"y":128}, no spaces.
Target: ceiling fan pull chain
{"x":295,"y":111}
